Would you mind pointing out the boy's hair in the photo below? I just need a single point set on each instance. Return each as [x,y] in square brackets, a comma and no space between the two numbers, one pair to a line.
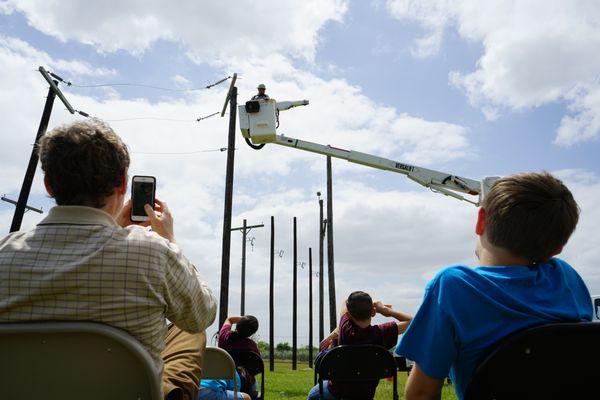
[83,162]
[531,215]
[247,326]
[359,305]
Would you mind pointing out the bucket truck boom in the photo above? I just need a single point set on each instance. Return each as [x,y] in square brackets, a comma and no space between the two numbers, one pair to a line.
[259,122]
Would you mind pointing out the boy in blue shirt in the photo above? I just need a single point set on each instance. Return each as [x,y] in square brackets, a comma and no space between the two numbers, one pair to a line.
[525,220]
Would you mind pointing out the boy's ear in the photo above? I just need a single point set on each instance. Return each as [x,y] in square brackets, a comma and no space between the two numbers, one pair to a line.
[480,225]
[123,186]
[48,188]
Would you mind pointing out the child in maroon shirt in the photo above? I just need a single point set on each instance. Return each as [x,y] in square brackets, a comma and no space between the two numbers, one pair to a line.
[354,329]
[239,339]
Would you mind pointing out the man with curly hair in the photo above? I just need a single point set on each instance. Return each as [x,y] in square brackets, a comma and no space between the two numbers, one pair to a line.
[87,261]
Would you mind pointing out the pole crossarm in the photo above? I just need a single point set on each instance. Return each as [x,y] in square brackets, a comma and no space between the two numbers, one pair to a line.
[6,199]
[240,228]
[56,90]
[229,92]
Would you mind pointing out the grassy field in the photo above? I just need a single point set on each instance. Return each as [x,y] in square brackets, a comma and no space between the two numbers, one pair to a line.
[284,383]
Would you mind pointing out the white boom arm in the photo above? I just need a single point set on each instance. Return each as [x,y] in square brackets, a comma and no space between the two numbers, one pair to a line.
[441,182]
[259,127]
[286,105]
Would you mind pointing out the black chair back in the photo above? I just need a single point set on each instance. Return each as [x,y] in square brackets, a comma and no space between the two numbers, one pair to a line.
[253,363]
[356,363]
[544,362]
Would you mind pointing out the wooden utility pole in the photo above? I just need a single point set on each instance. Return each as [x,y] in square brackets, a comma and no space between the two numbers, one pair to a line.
[295,303]
[245,229]
[310,310]
[231,99]
[322,228]
[33,161]
[271,301]
[330,268]
[243,273]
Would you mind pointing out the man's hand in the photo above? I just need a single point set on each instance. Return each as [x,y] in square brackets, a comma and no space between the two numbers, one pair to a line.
[124,216]
[383,309]
[161,219]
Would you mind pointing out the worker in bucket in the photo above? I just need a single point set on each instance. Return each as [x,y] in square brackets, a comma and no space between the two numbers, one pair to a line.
[261,93]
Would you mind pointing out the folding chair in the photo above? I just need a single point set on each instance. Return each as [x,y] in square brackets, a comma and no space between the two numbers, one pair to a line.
[357,363]
[403,364]
[218,364]
[73,361]
[544,362]
[253,363]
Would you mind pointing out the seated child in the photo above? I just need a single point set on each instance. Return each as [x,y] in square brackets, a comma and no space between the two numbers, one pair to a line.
[354,329]
[525,220]
[239,339]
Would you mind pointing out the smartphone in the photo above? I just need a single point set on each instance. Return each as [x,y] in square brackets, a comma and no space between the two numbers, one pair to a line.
[143,189]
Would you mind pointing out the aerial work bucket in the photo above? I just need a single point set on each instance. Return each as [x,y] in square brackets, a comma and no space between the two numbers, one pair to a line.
[257,120]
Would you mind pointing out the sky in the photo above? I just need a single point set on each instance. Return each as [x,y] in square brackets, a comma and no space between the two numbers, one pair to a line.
[466,87]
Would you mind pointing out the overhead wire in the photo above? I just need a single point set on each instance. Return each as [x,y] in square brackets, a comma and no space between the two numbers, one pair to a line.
[150,118]
[87,115]
[169,89]
[220,149]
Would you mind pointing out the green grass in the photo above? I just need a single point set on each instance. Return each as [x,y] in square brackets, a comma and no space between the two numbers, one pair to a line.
[284,383]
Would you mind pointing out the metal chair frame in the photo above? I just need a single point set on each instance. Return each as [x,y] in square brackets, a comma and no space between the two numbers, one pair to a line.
[253,363]
[355,363]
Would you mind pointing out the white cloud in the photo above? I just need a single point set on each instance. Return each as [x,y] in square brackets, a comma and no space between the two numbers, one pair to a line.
[433,15]
[180,80]
[582,251]
[252,28]
[584,122]
[6,8]
[535,52]
[37,57]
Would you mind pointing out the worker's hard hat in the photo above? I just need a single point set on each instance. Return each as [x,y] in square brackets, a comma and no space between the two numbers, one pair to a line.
[261,86]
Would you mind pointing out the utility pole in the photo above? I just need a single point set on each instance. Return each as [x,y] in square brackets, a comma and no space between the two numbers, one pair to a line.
[33,160]
[322,227]
[331,274]
[271,301]
[245,229]
[295,302]
[310,310]
[231,99]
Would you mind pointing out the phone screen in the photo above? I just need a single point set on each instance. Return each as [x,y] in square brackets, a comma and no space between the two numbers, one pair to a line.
[142,193]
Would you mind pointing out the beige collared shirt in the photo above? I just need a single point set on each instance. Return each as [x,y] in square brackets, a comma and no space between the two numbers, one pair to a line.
[78,264]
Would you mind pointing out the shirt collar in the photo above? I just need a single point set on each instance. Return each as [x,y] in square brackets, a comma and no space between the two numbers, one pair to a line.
[78,215]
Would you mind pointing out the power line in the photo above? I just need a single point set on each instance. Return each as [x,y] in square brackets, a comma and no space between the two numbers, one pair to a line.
[150,118]
[159,118]
[221,149]
[87,115]
[69,83]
